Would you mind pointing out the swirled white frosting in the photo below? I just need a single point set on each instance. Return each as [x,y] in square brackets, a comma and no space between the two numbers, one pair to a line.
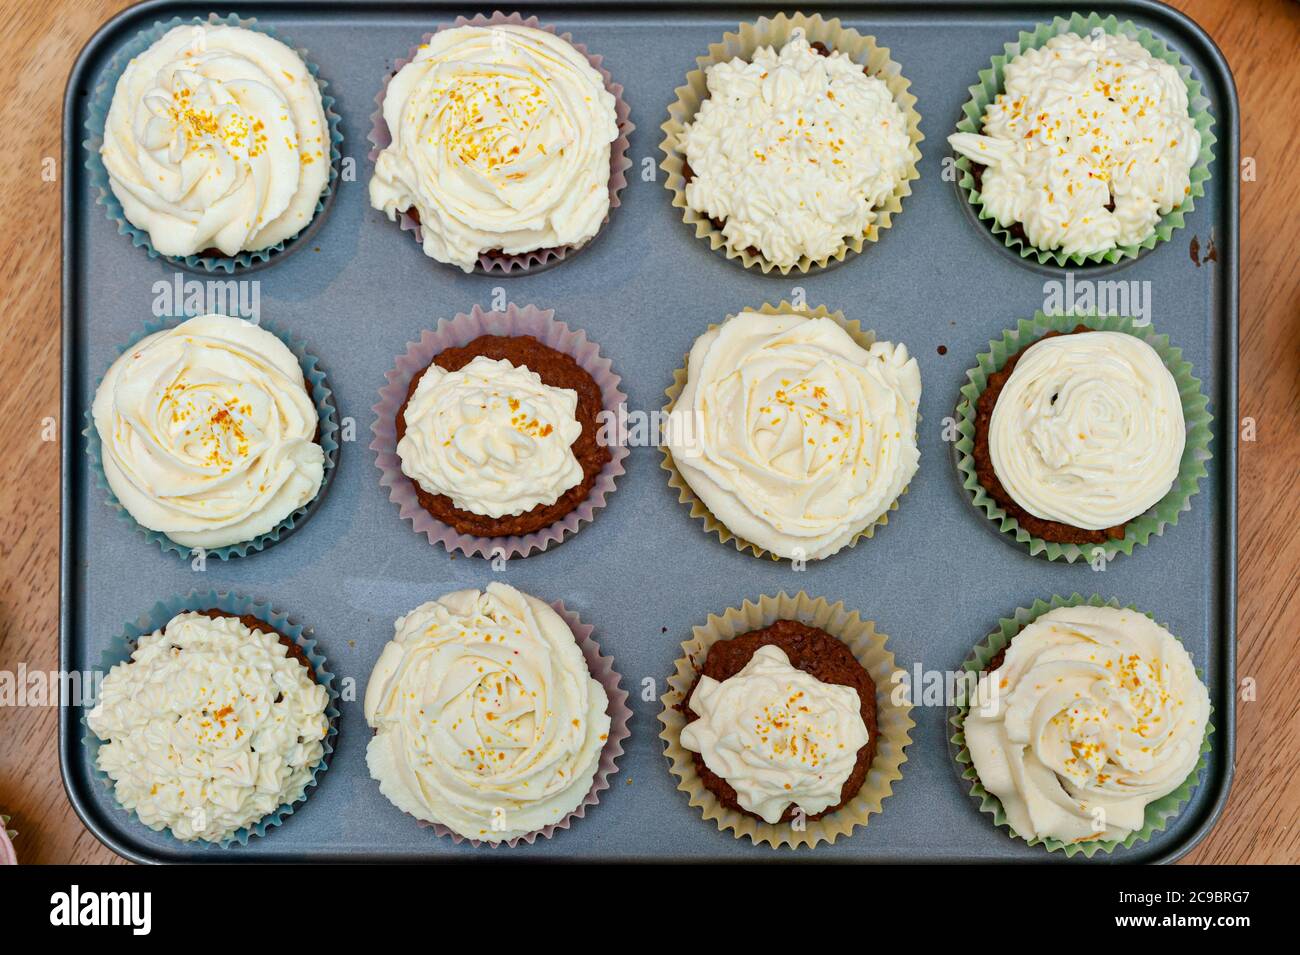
[1088,429]
[494,438]
[486,717]
[1082,122]
[1094,713]
[208,432]
[501,140]
[777,735]
[209,727]
[792,434]
[217,138]
[794,150]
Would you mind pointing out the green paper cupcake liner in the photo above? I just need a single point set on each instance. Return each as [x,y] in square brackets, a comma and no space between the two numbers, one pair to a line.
[1139,530]
[326,411]
[123,645]
[990,85]
[97,115]
[686,495]
[1158,813]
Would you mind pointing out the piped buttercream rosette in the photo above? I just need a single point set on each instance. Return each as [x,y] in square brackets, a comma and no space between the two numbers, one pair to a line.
[791,431]
[213,143]
[1055,468]
[1090,727]
[498,203]
[213,434]
[497,719]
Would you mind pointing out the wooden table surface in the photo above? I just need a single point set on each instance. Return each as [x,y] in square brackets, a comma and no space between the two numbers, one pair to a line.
[1261,40]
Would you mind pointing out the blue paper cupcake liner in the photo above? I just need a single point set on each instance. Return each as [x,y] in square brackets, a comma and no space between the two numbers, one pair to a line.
[326,411]
[97,116]
[123,645]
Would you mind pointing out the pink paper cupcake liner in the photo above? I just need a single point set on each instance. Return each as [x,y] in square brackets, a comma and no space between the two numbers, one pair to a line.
[9,857]
[458,332]
[381,137]
[603,672]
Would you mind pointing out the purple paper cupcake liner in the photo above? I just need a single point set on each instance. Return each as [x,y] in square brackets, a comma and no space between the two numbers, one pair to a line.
[456,333]
[381,137]
[602,671]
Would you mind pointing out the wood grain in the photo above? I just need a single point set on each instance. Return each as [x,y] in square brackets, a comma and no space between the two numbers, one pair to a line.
[1260,39]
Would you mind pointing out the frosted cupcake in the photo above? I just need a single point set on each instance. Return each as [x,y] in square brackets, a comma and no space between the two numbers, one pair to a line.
[208,434]
[1089,143]
[487,718]
[1087,719]
[216,142]
[1080,433]
[216,722]
[796,431]
[499,437]
[501,138]
[792,144]
[782,722]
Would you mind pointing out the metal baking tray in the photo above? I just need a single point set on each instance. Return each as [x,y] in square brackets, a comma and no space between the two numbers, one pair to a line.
[935,579]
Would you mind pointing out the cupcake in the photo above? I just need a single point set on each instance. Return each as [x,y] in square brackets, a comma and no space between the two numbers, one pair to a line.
[491,434]
[489,720]
[793,143]
[1087,145]
[793,431]
[499,437]
[217,143]
[1088,727]
[501,142]
[207,434]
[782,721]
[217,723]
[7,855]
[1082,439]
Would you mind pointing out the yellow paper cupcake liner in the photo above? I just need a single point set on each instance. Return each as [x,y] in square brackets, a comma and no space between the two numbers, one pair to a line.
[893,716]
[685,494]
[775,32]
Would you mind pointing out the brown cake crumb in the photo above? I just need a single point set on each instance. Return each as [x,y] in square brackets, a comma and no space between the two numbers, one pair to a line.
[1047,530]
[555,369]
[815,652]
[821,49]
[998,659]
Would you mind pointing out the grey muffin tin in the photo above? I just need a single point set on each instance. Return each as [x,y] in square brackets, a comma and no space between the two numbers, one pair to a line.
[935,579]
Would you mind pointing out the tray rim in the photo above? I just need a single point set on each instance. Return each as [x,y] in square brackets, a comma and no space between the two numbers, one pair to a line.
[1178,25]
